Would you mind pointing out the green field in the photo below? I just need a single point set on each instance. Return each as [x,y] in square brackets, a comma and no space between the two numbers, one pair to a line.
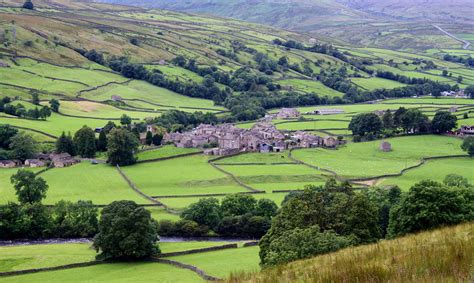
[312,125]
[89,109]
[223,263]
[376,83]
[357,160]
[114,272]
[100,183]
[165,151]
[434,170]
[182,176]
[310,86]
[163,98]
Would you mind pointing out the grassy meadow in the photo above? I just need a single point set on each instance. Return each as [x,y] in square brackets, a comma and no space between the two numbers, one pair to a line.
[361,160]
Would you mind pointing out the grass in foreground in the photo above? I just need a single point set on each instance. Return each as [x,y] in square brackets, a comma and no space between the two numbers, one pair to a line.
[443,255]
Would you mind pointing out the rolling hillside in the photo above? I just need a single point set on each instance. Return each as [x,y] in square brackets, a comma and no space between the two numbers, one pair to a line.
[389,24]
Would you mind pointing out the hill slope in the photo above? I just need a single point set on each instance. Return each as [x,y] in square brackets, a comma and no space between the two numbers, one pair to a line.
[355,21]
[443,255]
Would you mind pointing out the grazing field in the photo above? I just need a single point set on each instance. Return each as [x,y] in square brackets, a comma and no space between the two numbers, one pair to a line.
[54,125]
[39,256]
[434,170]
[140,90]
[165,151]
[312,125]
[113,272]
[182,176]
[376,83]
[223,263]
[99,183]
[360,160]
[90,109]
[443,255]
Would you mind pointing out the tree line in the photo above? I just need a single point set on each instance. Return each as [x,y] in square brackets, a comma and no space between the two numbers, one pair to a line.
[369,126]
[237,215]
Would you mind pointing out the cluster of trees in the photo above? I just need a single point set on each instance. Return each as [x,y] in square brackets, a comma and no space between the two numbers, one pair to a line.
[30,219]
[15,144]
[469,61]
[317,48]
[400,78]
[20,110]
[368,126]
[119,143]
[238,215]
[327,218]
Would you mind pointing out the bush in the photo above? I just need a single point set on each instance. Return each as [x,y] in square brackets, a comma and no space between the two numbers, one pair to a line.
[302,243]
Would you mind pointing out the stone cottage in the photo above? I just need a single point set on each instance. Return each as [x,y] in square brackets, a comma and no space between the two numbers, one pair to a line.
[288,113]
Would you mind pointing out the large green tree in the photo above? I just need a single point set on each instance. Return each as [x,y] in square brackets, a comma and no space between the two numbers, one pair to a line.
[429,205]
[443,121]
[365,123]
[102,141]
[469,91]
[238,204]
[84,139]
[121,147]
[206,212]
[7,132]
[23,146]
[75,219]
[29,188]
[126,231]
[65,144]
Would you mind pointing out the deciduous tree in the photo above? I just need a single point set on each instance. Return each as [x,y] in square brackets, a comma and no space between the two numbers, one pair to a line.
[29,188]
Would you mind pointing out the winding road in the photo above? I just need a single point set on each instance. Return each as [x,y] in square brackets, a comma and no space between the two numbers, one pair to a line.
[466,43]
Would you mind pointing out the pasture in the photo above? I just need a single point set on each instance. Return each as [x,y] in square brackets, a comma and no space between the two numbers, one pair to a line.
[181,176]
[99,183]
[163,152]
[434,170]
[362,160]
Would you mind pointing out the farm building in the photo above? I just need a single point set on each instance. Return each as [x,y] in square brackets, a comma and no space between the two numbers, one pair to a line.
[385,146]
[62,160]
[116,98]
[34,163]
[326,111]
[288,113]
[7,164]
[330,141]
[466,130]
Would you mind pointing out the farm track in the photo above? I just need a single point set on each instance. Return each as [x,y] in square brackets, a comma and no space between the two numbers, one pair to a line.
[466,43]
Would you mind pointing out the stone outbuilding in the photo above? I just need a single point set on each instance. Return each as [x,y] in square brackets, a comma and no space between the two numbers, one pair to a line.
[288,113]
[34,163]
[385,146]
[330,141]
[7,164]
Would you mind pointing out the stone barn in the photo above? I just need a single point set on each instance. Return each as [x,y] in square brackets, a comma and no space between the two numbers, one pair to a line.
[385,146]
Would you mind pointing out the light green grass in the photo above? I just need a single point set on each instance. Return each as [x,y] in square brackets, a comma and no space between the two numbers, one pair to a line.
[100,183]
[88,109]
[257,157]
[180,176]
[223,263]
[366,159]
[148,92]
[165,151]
[434,170]
[39,256]
[115,272]
[376,83]
[54,125]
[312,125]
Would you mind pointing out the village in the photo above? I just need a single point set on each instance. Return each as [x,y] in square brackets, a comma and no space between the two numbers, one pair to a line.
[264,137]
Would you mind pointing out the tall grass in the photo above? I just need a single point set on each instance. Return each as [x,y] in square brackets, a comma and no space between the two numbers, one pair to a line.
[444,255]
